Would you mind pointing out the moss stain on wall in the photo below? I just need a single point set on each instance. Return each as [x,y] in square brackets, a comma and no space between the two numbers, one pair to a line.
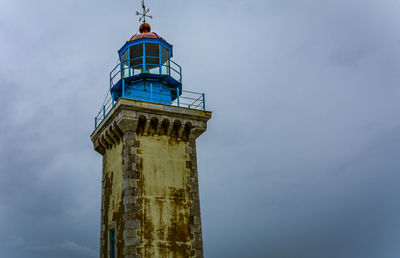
[164,201]
[113,197]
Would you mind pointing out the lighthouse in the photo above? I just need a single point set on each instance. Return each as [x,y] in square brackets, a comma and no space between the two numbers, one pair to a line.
[146,132]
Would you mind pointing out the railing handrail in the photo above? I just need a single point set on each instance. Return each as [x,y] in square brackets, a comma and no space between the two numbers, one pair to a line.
[170,65]
[171,68]
[197,102]
[138,58]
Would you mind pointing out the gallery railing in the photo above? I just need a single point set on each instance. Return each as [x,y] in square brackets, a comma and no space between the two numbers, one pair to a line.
[149,65]
[186,99]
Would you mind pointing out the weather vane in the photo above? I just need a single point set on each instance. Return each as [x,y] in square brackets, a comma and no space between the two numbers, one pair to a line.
[144,14]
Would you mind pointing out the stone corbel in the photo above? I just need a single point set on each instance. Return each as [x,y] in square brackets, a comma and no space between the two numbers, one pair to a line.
[127,121]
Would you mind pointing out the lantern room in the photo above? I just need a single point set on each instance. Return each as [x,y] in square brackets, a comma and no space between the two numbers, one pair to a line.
[146,71]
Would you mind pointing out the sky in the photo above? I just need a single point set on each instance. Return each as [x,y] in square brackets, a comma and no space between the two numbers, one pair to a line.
[300,160]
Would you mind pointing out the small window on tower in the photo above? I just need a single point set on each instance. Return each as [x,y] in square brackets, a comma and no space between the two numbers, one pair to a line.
[112,243]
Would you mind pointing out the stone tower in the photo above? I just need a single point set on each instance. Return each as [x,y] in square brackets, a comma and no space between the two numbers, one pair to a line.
[146,132]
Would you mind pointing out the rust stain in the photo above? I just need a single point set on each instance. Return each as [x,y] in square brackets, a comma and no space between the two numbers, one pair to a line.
[118,217]
[113,208]
[107,188]
[164,201]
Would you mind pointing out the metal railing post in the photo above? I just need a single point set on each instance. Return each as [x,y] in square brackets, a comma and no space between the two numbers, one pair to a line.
[123,88]
[129,62]
[144,57]
[111,80]
[180,74]
[104,111]
[95,122]
[204,102]
[177,95]
[159,57]
[121,70]
[151,92]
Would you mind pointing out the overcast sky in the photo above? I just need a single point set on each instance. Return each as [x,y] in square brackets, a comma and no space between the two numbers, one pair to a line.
[300,160]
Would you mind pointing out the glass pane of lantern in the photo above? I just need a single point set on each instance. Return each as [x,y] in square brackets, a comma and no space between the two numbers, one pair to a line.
[125,64]
[136,59]
[151,61]
[164,52]
[136,54]
[152,58]
[124,56]
[152,50]
[136,51]
[152,65]
[164,60]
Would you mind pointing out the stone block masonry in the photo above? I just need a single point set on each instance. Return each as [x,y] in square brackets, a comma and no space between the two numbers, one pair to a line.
[150,193]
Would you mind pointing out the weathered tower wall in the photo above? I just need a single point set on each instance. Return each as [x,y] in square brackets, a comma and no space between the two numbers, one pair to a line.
[150,191]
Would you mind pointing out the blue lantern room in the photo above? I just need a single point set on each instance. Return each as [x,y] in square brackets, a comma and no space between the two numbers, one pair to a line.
[146,71]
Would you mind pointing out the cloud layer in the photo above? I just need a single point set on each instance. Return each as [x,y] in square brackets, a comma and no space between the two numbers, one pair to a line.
[300,159]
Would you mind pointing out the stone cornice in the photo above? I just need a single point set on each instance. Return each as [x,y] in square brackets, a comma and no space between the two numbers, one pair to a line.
[129,115]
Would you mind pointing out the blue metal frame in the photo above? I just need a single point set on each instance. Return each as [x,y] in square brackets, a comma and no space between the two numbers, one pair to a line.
[187,99]
[177,69]
[127,47]
[146,40]
[162,83]
[143,56]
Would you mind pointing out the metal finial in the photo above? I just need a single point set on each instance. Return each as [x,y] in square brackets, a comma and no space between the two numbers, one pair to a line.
[144,14]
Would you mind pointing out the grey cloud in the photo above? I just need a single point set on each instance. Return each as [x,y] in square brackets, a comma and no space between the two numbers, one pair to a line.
[300,158]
